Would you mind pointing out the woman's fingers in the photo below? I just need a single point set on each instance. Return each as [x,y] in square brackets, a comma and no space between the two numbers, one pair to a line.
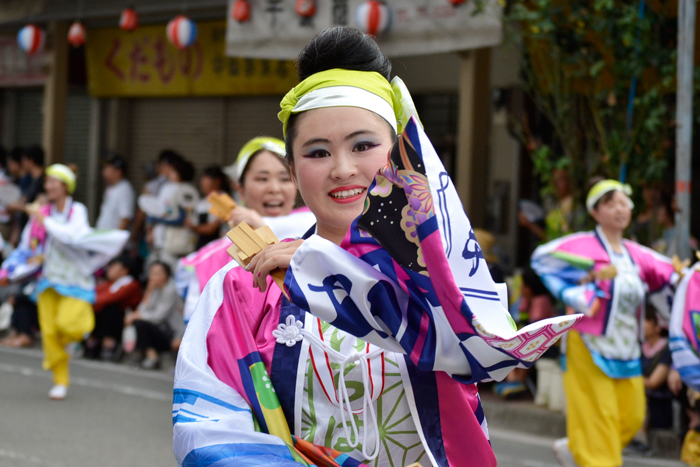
[249,216]
[273,257]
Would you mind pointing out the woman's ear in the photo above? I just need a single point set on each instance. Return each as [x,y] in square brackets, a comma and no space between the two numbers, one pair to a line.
[293,174]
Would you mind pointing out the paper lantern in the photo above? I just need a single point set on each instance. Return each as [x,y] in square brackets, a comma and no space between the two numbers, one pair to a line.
[129,20]
[373,18]
[181,32]
[76,34]
[240,11]
[456,2]
[31,39]
[305,8]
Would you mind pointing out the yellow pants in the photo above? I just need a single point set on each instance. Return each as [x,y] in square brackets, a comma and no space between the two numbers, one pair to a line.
[603,414]
[62,320]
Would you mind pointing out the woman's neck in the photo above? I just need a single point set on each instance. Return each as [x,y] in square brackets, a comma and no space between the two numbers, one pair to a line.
[60,204]
[652,340]
[614,238]
[335,236]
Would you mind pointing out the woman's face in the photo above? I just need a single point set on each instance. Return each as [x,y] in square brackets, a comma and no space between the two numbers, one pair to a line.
[337,152]
[55,189]
[614,214]
[171,173]
[207,185]
[157,276]
[267,186]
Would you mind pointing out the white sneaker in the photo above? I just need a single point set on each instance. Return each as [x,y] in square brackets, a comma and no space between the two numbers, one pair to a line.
[58,392]
[562,453]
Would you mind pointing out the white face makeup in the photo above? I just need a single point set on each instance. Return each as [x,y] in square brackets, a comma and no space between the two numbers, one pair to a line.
[337,152]
[268,188]
[614,214]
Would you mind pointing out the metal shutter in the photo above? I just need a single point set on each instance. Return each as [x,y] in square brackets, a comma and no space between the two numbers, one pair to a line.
[29,117]
[248,117]
[77,140]
[192,126]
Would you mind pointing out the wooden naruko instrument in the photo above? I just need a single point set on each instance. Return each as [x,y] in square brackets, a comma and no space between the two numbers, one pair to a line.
[221,205]
[248,242]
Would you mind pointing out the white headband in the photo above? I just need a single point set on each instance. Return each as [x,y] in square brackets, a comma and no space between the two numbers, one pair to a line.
[347,96]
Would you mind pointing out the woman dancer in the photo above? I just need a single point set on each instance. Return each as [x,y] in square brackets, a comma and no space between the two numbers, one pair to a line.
[59,235]
[605,277]
[264,368]
[268,195]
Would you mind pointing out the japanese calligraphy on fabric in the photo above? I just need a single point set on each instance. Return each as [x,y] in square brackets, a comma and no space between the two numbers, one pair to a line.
[393,283]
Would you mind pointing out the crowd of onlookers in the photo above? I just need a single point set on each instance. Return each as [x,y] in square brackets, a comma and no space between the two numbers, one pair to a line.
[138,310]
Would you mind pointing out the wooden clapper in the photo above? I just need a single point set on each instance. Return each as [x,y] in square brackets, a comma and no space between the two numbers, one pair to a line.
[246,241]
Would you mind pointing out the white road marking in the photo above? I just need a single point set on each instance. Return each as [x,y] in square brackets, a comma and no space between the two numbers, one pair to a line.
[91,383]
[18,456]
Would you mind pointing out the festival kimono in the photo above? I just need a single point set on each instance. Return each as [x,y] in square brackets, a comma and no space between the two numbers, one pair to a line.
[409,279]
[195,270]
[85,248]
[562,265]
[684,331]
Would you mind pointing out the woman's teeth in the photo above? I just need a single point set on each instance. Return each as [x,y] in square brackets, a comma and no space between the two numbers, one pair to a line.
[347,194]
[275,204]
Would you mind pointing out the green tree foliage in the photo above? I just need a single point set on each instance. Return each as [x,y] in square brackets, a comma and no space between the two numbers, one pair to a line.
[579,60]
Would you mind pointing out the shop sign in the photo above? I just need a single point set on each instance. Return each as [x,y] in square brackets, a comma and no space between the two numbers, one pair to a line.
[17,69]
[417,27]
[143,63]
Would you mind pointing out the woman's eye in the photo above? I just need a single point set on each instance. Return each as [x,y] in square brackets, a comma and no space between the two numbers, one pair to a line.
[261,179]
[319,153]
[364,146]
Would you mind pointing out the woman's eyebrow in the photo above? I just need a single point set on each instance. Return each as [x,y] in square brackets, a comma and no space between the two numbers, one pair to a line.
[357,133]
[315,141]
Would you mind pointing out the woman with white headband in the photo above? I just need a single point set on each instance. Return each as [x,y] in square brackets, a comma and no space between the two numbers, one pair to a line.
[261,380]
[605,277]
[58,238]
[267,194]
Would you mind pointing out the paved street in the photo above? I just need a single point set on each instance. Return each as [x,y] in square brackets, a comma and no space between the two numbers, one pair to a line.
[118,416]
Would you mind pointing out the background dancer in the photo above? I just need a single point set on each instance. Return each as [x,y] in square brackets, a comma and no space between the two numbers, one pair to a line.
[603,276]
[66,287]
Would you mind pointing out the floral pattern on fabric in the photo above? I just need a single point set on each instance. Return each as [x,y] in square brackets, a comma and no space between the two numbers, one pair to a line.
[321,424]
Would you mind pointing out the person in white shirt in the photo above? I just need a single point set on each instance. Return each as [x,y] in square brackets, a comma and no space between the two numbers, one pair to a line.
[118,203]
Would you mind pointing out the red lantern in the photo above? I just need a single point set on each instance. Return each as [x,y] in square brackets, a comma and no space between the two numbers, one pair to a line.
[305,8]
[129,20]
[456,2]
[241,11]
[76,34]
[373,17]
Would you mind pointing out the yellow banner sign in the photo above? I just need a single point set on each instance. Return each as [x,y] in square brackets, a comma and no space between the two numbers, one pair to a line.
[143,63]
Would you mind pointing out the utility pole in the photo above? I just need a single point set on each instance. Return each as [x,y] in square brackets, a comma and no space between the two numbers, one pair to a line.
[684,122]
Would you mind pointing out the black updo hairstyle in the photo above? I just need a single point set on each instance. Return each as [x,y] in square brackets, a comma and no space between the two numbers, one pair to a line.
[340,47]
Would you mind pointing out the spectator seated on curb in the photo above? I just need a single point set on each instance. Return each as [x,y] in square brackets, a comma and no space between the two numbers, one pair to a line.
[113,298]
[157,322]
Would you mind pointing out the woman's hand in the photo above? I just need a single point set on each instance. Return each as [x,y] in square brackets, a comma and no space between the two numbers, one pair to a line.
[675,383]
[131,317]
[39,218]
[249,216]
[274,256]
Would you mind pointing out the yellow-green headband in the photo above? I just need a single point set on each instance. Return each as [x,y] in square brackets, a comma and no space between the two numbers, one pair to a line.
[606,186]
[64,174]
[348,88]
[274,145]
